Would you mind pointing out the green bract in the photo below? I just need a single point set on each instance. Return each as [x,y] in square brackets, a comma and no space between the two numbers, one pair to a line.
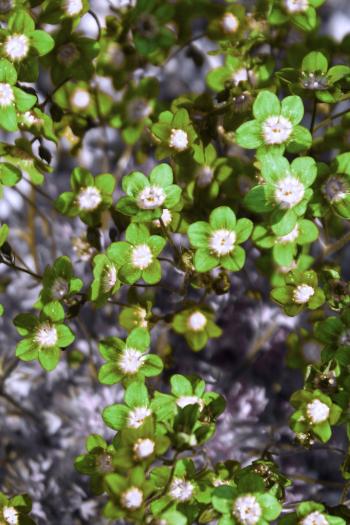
[59,282]
[300,291]
[315,412]
[137,255]
[147,197]
[89,196]
[197,326]
[275,126]
[217,242]
[43,337]
[129,360]
[174,132]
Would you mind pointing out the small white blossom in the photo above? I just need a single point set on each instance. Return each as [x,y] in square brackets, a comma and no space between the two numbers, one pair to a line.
[109,278]
[241,75]
[315,518]
[181,490]
[229,23]
[196,321]
[335,189]
[131,361]
[150,197]
[80,98]
[296,6]
[166,218]
[317,411]
[137,416]
[178,139]
[204,176]
[303,293]
[10,515]
[16,47]
[184,401]
[30,119]
[59,288]
[289,237]
[247,510]
[67,54]
[46,335]
[141,256]
[73,7]
[132,498]
[6,95]
[89,198]
[144,448]
[222,241]
[276,129]
[289,192]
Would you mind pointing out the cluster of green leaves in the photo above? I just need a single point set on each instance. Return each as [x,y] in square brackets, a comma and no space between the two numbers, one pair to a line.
[255,162]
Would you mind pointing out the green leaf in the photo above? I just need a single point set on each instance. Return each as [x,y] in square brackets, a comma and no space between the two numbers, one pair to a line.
[24,101]
[162,175]
[235,260]
[244,228]
[49,357]
[204,261]
[8,118]
[4,231]
[115,416]
[222,217]
[314,62]
[293,109]
[109,374]
[265,105]
[42,42]
[8,73]
[249,136]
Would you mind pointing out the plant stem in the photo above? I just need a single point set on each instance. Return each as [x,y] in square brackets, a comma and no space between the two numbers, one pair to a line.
[329,119]
[15,267]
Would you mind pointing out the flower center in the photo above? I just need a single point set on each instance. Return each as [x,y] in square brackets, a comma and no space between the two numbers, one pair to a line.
[335,189]
[296,6]
[314,81]
[222,241]
[131,361]
[80,98]
[46,335]
[276,129]
[141,256]
[59,288]
[317,411]
[137,416]
[184,401]
[132,498]
[302,293]
[73,7]
[315,518]
[138,109]
[68,54]
[10,515]
[109,278]
[6,95]
[151,197]
[289,192]
[181,490]
[89,198]
[178,139]
[143,448]
[229,23]
[196,321]
[290,237]
[247,510]
[17,46]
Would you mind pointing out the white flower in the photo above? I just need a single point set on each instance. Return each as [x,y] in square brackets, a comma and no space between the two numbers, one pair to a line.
[290,237]
[6,95]
[132,498]
[289,192]
[241,75]
[80,98]
[315,518]
[59,288]
[141,256]
[296,6]
[150,197]
[222,241]
[204,176]
[46,335]
[67,54]
[10,515]
[131,361]
[247,510]
[276,129]
[181,490]
[16,46]
[109,278]
[89,198]
[184,401]
[143,448]
[73,7]
[137,416]
[178,139]
[229,23]
[335,189]
[30,119]
[302,293]
[317,411]
[196,321]
[166,218]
